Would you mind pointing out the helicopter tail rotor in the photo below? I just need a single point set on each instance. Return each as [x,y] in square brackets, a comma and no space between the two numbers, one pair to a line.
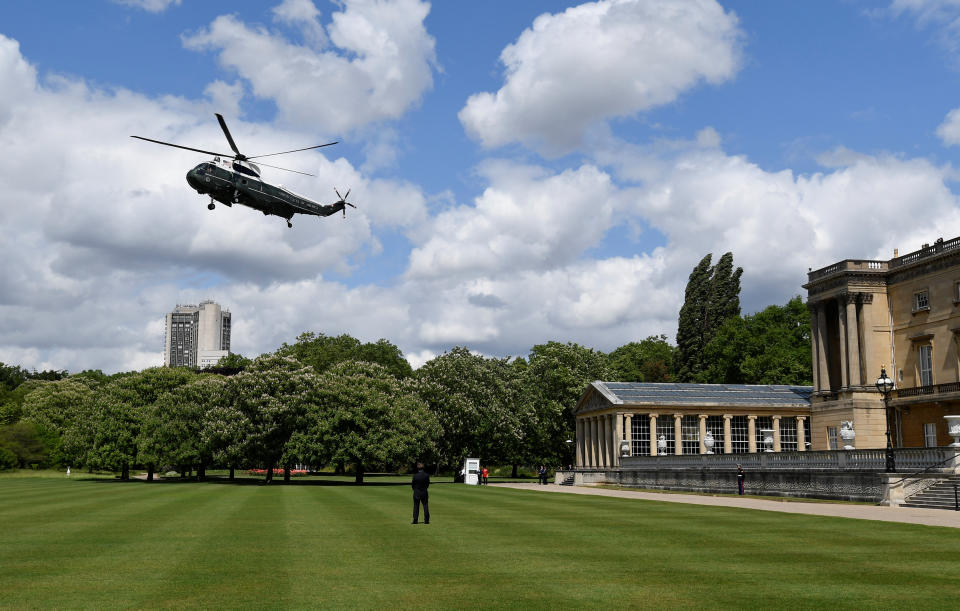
[343,201]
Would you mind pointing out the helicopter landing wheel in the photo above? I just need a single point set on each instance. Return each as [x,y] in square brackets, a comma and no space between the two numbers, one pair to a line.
[210,206]
[289,224]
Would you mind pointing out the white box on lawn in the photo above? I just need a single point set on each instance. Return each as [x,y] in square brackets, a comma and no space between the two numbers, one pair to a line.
[471,471]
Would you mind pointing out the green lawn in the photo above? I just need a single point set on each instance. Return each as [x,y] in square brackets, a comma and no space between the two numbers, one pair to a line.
[323,543]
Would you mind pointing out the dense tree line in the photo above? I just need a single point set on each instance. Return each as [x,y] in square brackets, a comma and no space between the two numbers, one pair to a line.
[340,403]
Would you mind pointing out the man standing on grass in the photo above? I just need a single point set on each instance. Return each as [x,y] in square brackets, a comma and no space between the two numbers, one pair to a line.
[420,483]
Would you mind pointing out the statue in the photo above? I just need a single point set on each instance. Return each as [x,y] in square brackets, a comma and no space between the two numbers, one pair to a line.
[661,444]
[847,434]
[708,442]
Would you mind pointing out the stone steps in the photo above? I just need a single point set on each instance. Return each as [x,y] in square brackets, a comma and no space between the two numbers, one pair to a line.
[568,480]
[938,496]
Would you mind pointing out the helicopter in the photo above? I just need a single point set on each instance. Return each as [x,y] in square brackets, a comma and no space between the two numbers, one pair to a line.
[234,179]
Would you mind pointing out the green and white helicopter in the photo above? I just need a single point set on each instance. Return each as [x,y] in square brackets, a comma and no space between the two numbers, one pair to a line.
[233,179]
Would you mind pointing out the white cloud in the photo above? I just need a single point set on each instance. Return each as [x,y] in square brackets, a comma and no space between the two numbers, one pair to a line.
[380,67]
[151,6]
[949,130]
[106,236]
[571,71]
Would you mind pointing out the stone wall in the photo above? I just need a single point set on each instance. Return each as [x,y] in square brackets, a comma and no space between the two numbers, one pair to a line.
[848,485]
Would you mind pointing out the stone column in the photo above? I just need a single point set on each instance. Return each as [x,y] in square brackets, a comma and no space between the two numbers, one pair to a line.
[578,455]
[842,327]
[628,431]
[703,433]
[823,382]
[602,425]
[678,434]
[853,341]
[617,437]
[776,433]
[866,305]
[653,434]
[593,441]
[727,434]
[801,446]
[815,343]
[752,434]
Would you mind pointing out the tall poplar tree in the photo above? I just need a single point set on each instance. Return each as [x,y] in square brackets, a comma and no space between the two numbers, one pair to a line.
[711,297]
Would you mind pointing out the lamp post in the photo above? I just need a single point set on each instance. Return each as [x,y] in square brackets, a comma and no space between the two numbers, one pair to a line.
[885,385]
[571,451]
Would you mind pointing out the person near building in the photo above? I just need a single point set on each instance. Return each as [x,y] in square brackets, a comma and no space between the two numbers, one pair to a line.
[485,473]
[740,479]
[420,483]
[542,474]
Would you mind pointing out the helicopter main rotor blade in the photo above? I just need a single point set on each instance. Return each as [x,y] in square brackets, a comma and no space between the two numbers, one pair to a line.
[186,148]
[293,151]
[226,132]
[276,167]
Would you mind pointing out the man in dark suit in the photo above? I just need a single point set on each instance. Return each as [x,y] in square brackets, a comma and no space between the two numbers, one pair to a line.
[421,481]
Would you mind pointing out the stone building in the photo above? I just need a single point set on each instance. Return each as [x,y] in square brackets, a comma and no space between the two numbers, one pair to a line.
[617,419]
[902,314]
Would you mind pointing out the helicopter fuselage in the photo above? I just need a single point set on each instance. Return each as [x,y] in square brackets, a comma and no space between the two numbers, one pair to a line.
[230,181]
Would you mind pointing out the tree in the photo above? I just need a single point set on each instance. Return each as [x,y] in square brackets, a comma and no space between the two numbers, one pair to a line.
[769,347]
[322,352]
[555,377]
[172,431]
[259,411]
[24,441]
[712,295]
[650,360]
[106,435]
[363,415]
[54,406]
[478,402]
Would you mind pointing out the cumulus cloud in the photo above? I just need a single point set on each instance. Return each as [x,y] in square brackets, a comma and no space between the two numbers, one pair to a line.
[949,130]
[107,236]
[379,67]
[571,71]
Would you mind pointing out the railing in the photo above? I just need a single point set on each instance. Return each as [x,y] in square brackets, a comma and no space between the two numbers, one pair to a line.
[907,459]
[938,247]
[936,389]
[847,265]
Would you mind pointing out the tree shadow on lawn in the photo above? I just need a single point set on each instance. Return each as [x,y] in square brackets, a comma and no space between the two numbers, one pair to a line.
[277,481]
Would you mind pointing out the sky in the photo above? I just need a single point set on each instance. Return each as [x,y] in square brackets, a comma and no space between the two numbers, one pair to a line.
[523,172]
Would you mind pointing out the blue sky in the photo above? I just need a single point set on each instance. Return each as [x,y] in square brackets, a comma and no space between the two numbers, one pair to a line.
[524,171]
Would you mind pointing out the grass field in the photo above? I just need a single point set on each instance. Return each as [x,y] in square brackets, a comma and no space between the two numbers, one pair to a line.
[324,543]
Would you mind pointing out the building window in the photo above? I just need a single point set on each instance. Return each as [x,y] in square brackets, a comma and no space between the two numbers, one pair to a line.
[956,292]
[832,438]
[640,426]
[715,428]
[763,423]
[739,438]
[921,300]
[788,434]
[665,430]
[930,434]
[690,428]
[925,365]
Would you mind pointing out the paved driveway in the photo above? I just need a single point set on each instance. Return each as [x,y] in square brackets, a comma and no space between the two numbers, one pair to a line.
[930,517]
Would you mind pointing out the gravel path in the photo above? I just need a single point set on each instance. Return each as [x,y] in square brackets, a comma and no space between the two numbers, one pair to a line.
[930,517]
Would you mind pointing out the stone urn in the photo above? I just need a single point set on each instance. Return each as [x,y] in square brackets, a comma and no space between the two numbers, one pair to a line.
[708,442]
[953,429]
[847,434]
[767,436]
[661,444]
[624,448]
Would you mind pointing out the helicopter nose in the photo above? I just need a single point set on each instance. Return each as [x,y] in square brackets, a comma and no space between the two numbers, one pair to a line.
[193,180]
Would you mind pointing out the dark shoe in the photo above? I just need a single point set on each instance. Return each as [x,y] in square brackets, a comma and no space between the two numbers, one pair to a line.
[413,522]
[426,522]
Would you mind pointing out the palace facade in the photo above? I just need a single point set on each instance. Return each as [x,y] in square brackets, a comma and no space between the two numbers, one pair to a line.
[900,315]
